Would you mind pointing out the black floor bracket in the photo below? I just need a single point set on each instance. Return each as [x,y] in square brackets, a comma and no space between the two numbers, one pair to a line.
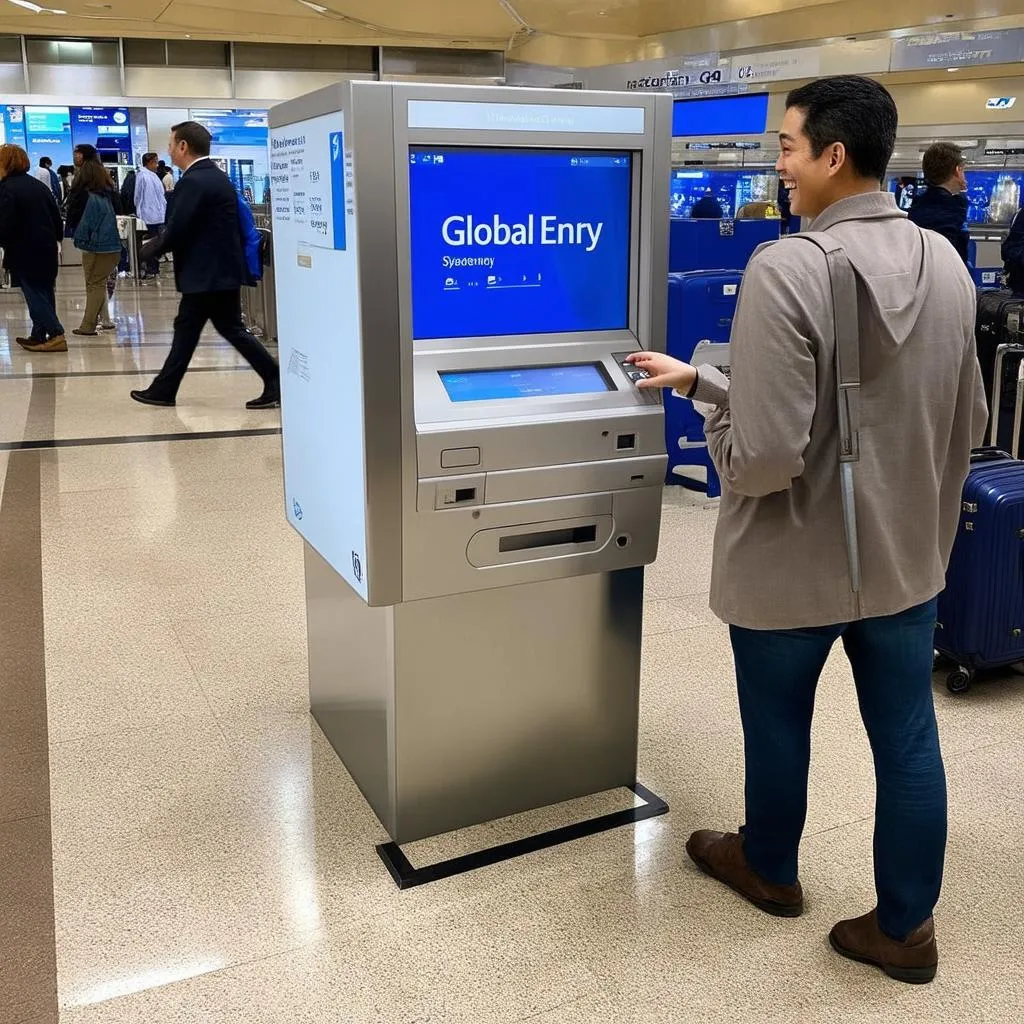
[406,876]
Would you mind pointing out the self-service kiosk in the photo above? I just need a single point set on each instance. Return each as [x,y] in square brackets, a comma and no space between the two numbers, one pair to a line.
[461,274]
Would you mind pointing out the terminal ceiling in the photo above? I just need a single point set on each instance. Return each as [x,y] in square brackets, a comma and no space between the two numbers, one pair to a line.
[568,32]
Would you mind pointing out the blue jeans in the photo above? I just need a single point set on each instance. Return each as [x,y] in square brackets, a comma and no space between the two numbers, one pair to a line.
[42,307]
[777,673]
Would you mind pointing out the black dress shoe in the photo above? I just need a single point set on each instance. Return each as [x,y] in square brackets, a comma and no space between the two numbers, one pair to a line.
[268,400]
[147,399]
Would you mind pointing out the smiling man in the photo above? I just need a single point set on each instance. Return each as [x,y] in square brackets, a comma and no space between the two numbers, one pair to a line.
[784,574]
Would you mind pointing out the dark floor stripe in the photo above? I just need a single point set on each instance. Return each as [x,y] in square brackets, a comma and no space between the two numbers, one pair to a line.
[118,373]
[88,442]
[28,963]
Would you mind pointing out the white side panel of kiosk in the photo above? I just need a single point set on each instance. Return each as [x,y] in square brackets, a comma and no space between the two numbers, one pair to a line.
[315,243]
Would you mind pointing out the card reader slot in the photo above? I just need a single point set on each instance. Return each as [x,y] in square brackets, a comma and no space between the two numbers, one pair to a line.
[548,538]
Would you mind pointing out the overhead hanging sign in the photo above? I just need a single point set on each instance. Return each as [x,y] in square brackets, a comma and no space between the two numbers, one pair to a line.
[777,66]
[666,75]
[957,49]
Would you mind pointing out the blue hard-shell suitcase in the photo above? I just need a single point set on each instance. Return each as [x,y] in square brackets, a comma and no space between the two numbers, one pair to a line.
[981,611]
[701,307]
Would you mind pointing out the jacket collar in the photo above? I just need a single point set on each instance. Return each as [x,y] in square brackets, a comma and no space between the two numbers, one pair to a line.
[867,206]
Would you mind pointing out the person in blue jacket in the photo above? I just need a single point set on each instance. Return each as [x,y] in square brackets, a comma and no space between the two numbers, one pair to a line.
[942,206]
[1013,255]
[706,208]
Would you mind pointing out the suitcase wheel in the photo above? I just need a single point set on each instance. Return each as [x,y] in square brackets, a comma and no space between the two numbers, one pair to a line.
[959,680]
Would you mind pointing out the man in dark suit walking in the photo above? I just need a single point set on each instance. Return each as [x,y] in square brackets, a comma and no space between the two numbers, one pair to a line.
[204,233]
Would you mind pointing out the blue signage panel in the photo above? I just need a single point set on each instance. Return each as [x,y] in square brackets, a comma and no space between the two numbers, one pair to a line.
[106,128]
[728,115]
[519,241]
[337,144]
[48,133]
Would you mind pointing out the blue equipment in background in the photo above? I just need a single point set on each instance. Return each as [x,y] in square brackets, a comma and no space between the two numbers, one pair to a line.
[701,307]
[700,244]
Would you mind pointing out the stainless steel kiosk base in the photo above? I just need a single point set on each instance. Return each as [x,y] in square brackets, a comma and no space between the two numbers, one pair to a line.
[457,710]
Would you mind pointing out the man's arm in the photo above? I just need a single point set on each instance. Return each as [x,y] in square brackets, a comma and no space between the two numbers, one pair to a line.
[758,425]
[182,220]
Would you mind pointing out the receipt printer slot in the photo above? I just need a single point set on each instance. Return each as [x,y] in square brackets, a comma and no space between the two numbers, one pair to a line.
[548,538]
[528,542]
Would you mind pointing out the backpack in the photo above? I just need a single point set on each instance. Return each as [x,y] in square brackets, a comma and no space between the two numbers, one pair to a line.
[97,230]
[252,241]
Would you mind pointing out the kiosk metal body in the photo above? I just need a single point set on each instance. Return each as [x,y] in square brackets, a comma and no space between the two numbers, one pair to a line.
[476,476]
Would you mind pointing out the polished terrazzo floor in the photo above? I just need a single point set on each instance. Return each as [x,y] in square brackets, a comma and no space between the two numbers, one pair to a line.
[211,859]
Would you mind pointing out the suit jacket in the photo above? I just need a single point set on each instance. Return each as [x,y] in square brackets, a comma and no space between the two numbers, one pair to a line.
[1013,254]
[202,231]
[30,229]
[944,213]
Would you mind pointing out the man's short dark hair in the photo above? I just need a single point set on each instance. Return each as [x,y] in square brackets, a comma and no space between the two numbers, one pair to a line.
[195,136]
[88,152]
[148,158]
[45,161]
[941,161]
[855,111]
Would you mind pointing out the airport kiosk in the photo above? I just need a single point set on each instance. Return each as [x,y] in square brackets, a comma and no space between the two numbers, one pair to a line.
[461,273]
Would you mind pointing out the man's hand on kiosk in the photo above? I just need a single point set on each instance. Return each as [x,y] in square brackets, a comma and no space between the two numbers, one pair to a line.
[664,372]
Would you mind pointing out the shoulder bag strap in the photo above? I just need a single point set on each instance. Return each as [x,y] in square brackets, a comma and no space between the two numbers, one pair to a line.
[846,331]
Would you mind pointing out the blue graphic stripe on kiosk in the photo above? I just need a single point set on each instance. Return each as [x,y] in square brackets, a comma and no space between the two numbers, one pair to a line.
[526,382]
[486,223]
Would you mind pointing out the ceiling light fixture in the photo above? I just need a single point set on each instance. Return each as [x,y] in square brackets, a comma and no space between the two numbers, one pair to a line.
[35,8]
[951,70]
[319,8]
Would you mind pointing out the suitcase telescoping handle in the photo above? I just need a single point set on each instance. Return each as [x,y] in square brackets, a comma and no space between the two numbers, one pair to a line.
[997,383]
[988,454]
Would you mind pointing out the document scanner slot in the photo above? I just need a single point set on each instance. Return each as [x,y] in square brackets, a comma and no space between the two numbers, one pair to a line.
[549,538]
[560,538]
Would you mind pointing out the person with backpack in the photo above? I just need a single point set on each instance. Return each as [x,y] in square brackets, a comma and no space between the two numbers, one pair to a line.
[204,230]
[843,439]
[92,219]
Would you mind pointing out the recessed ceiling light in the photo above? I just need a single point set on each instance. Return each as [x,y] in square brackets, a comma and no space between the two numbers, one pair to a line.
[951,70]
[319,8]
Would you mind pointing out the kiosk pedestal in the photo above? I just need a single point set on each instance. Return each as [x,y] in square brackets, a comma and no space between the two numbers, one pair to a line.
[457,710]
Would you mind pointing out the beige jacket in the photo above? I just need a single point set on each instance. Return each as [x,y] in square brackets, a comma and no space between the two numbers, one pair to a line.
[780,557]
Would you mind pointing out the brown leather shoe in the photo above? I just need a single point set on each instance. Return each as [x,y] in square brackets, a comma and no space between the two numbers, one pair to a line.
[914,960]
[55,344]
[720,855]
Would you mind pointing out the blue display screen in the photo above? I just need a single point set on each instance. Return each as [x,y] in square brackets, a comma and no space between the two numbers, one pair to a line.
[526,382]
[519,241]
[48,133]
[994,197]
[106,128]
[723,115]
[12,125]
[732,189]
[234,127]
